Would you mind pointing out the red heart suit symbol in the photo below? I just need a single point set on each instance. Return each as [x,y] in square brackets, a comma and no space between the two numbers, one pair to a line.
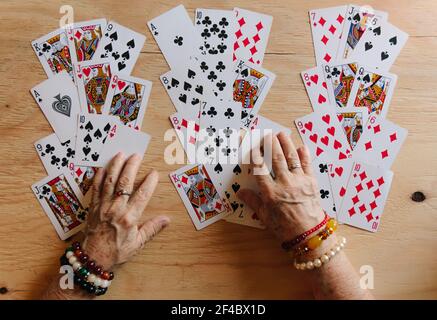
[314,78]
[86,71]
[313,137]
[325,140]
[121,84]
[308,125]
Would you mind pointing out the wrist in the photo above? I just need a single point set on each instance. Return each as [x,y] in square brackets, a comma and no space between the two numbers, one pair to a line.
[101,255]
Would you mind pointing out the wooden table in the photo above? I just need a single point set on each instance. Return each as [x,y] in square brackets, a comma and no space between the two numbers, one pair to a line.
[224,260]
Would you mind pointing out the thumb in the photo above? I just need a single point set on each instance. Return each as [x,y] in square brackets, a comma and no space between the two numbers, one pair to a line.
[250,198]
[150,228]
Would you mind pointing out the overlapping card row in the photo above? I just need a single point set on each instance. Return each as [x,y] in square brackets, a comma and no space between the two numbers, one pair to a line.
[94,107]
[352,144]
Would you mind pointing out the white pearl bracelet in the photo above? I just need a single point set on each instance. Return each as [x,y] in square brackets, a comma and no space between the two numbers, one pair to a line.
[318,262]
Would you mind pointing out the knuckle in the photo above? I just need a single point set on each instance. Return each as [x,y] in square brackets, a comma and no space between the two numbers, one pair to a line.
[124,182]
[143,193]
[125,221]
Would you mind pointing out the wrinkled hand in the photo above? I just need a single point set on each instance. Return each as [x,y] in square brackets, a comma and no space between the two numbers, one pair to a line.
[115,232]
[288,204]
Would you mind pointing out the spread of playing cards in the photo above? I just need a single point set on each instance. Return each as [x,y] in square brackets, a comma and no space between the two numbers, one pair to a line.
[95,108]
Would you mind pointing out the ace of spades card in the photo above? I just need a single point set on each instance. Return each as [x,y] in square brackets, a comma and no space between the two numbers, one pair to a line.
[92,79]
[373,90]
[214,57]
[56,156]
[252,35]
[380,45]
[63,202]
[358,19]
[92,131]
[366,195]
[58,99]
[251,86]
[199,195]
[353,120]
[127,98]
[122,45]
[339,79]
[316,87]
[84,39]
[53,53]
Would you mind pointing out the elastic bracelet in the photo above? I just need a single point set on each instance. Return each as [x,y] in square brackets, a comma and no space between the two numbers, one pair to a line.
[90,276]
[317,240]
[324,259]
[288,245]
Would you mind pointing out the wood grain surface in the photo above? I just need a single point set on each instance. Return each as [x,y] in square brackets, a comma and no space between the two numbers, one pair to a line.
[224,260]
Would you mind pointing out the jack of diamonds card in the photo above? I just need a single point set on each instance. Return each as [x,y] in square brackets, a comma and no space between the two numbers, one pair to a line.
[199,195]
[366,195]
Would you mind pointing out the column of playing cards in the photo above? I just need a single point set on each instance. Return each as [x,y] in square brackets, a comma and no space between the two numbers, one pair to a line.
[352,144]
[95,108]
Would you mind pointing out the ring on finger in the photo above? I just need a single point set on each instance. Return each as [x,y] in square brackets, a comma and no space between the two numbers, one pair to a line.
[294,165]
[122,192]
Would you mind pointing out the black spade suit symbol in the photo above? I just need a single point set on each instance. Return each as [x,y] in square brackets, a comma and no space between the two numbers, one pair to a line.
[121,65]
[191,74]
[234,206]
[366,78]
[235,187]
[89,126]
[218,168]
[174,83]
[245,72]
[131,44]
[114,36]
[377,31]
[87,139]
[199,89]
[95,156]
[187,86]
[86,150]
[183,98]
[107,127]
[98,134]
[126,55]
[62,105]
[237,170]
[108,47]
[384,55]
[357,17]
[393,41]
[368,46]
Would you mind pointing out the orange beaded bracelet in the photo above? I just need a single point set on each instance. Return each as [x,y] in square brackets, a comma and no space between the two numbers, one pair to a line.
[315,242]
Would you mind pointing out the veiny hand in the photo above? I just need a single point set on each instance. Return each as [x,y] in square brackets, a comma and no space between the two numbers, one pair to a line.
[288,204]
[114,232]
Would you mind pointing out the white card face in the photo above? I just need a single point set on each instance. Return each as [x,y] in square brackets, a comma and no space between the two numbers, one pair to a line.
[365,198]
[199,195]
[218,137]
[252,35]
[93,78]
[122,46]
[92,132]
[339,173]
[127,99]
[56,156]
[325,194]
[316,87]
[84,39]
[58,99]
[63,203]
[53,53]
[339,80]
[373,90]
[353,121]
[175,35]
[357,21]
[126,140]
[380,45]
[217,30]
[251,86]
[380,143]
[186,131]
[326,28]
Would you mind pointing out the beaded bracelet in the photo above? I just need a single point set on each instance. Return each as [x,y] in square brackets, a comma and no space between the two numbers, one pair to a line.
[288,245]
[324,259]
[317,240]
[87,274]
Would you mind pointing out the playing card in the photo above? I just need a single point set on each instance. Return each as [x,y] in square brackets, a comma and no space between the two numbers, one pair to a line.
[251,86]
[218,137]
[63,203]
[175,35]
[380,143]
[252,35]
[58,99]
[357,21]
[93,78]
[84,38]
[316,87]
[323,135]
[53,53]
[214,56]
[199,195]
[352,121]
[127,98]
[365,198]
[92,131]
[339,79]
[56,156]
[373,90]
[126,140]
[325,194]
[380,45]
[339,173]
[83,176]
[326,28]
[122,45]
[186,131]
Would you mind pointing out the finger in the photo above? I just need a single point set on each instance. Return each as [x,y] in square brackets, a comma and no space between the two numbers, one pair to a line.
[290,153]
[259,169]
[142,196]
[127,176]
[251,199]
[305,160]
[279,164]
[112,173]
[149,229]
[97,186]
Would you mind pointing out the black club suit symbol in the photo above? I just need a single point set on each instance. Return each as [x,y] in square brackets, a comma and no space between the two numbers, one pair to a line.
[223,22]
[46,47]
[210,130]
[214,29]
[323,168]
[212,76]
[221,85]
[222,48]
[179,40]
[212,112]
[207,21]
[335,72]
[49,148]
[229,113]
[220,66]
[324,194]
[218,141]
[204,66]
[205,34]
[222,35]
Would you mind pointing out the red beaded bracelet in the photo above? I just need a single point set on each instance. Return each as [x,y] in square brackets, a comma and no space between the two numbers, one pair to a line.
[288,245]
